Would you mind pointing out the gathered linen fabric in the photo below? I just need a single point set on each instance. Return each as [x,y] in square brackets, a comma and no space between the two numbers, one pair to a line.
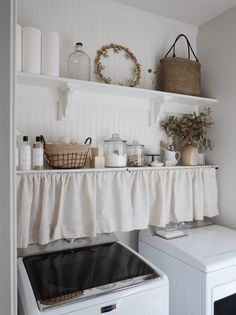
[54,205]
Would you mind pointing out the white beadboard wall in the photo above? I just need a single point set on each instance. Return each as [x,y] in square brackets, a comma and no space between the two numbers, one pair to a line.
[92,115]
[96,23]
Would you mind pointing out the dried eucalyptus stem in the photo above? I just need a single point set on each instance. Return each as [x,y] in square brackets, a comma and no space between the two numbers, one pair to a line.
[190,128]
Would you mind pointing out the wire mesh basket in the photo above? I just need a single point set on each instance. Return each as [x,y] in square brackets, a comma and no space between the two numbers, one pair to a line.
[67,156]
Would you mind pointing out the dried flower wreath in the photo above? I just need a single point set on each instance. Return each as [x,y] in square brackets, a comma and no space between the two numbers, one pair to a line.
[103,53]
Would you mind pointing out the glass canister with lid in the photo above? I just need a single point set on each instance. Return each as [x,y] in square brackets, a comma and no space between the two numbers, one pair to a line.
[135,152]
[115,151]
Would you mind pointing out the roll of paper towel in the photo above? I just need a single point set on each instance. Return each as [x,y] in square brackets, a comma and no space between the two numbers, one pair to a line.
[31,50]
[50,53]
[18,48]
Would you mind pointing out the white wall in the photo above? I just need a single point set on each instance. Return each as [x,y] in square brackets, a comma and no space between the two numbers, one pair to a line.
[147,35]
[7,210]
[97,23]
[217,53]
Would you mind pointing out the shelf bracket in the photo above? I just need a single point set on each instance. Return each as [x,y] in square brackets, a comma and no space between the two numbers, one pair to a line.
[66,93]
[156,108]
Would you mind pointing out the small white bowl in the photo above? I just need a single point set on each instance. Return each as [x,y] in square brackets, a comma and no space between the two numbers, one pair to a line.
[156,164]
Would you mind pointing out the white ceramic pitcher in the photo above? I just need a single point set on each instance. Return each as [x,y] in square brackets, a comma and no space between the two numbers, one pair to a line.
[172,156]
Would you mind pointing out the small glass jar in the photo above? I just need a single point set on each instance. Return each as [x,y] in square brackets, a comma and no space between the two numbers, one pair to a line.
[135,152]
[115,152]
[79,64]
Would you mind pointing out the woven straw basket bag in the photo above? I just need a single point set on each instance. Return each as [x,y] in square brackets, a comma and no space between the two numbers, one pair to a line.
[180,75]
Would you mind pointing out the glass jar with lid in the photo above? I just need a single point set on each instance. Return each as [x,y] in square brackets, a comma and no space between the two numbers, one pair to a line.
[135,152]
[115,151]
[79,64]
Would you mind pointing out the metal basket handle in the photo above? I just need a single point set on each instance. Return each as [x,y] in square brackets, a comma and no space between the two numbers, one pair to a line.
[42,140]
[88,141]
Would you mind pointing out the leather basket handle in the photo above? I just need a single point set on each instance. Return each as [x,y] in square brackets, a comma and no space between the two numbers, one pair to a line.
[190,49]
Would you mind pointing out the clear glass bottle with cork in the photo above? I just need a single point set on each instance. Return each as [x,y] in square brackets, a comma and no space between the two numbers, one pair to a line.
[79,64]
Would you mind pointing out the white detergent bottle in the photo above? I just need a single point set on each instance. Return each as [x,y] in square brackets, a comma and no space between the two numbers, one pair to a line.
[25,155]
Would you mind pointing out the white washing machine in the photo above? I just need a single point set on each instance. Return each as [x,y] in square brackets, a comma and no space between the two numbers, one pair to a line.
[89,277]
[201,268]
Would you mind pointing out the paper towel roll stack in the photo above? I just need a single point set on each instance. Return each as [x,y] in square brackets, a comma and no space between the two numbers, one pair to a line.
[31,50]
[50,53]
[18,48]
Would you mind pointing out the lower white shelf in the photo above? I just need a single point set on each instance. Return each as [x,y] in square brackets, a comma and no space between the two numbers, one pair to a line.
[111,169]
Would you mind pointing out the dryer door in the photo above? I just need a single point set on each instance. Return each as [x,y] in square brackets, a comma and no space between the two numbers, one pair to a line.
[225,306]
[224,297]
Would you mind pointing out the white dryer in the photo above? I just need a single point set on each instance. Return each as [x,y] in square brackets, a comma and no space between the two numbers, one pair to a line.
[201,268]
[89,277]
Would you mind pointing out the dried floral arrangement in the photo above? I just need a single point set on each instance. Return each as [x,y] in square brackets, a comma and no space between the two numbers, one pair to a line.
[103,53]
[190,128]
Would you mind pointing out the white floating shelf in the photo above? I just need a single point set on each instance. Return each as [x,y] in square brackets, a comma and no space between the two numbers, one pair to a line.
[110,89]
[67,87]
